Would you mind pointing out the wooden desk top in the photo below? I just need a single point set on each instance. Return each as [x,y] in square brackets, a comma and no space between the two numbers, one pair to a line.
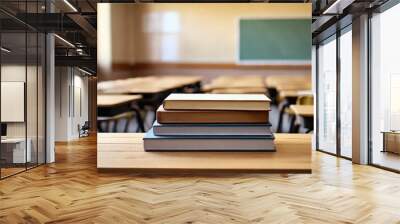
[125,151]
[289,82]
[147,85]
[240,90]
[236,82]
[104,100]
[303,110]
[295,93]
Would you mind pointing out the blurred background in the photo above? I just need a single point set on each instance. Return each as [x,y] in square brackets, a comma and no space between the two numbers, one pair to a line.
[147,51]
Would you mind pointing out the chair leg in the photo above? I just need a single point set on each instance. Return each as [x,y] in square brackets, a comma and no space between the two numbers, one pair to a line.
[128,121]
[139,120]
[292,124]
[107,128]
[280,119]
[115,122]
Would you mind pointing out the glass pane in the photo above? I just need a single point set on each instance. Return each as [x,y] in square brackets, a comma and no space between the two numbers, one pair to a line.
[385,86]
[14,153]
[346,94]
[327,96]
[32,97]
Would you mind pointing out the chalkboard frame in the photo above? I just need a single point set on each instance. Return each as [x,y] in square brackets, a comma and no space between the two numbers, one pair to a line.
[263,61]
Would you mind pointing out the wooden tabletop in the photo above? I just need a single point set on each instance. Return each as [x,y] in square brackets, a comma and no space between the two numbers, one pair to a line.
[240,90]
[104,100]
[237,84]
[288,82]
[125,151]
[147,85]
[303,110]
[295,93]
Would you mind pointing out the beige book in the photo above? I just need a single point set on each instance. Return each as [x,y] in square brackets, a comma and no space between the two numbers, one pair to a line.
[240,102]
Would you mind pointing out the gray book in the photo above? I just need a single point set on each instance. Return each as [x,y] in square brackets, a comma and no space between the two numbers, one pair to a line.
[212,129]
[207,143]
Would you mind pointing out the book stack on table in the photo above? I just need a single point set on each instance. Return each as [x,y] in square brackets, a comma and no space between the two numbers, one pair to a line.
[212,122]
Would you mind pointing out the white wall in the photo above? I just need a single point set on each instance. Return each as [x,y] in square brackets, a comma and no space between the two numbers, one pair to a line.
[17,73]
[71,102]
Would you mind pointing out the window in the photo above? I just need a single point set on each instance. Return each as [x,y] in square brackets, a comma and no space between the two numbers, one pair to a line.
[327,96]
[385,89]
[334,106]
[346,93]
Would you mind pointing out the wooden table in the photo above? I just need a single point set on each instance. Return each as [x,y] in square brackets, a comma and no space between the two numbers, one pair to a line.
[391,141]
[277,83]
[285,89]
[105,100]
[240,90]
[294,93]
[288,82]
[304,113]
[148,85]
[236,84]
[302,110]
[154,89]
[125,151]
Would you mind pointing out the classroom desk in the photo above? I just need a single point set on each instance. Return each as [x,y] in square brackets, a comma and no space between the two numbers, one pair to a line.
[240,90]
[106,101]
[112,105]
[149,85]
[287,98]
[278,83]
[294,93]
[304,112]
[125,151]
[154,89]
[288,82]
[236,84]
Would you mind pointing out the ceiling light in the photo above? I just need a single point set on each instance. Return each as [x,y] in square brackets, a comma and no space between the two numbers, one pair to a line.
[84,71]
[337,7]
[64,40]
[5,50]
[71,6]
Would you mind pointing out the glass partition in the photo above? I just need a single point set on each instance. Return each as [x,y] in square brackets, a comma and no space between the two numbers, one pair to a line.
[346,93]
[385,89]
[327,96]
[22,78]
[14,153]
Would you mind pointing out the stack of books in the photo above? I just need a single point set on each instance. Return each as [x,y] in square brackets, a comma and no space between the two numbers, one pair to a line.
[212,122]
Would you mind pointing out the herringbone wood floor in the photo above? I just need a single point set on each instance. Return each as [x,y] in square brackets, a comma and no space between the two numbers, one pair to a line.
[72,191]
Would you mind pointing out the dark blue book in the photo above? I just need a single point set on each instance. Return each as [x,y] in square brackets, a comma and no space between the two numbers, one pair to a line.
[212,129]
[208,143]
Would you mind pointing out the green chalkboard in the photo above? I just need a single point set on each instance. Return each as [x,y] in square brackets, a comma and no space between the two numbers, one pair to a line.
[275,40]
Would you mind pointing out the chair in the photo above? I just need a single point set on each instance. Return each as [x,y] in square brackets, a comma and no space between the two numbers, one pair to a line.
[305,100]
[84,129]
[308,124]
[115,120]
